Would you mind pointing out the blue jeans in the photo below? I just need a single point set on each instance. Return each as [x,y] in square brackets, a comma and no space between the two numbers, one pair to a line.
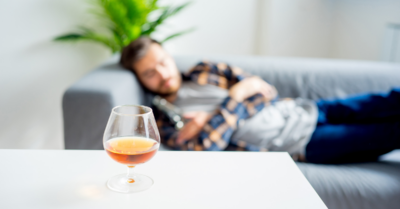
[356,129]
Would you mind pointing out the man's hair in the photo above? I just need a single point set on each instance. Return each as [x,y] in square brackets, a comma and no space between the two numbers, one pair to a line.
[135,51]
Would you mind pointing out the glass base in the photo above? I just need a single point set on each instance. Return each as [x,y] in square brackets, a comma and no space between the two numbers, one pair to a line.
[121,183]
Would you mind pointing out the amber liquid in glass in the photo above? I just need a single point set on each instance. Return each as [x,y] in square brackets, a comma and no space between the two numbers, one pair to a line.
[131,150]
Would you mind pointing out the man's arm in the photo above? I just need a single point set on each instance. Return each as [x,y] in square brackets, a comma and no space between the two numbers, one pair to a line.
[247,97]
[219,74]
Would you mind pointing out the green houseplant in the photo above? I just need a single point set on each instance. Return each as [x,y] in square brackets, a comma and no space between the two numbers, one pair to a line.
[122,21]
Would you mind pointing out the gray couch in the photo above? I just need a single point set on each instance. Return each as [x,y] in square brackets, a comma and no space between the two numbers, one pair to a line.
[87,105]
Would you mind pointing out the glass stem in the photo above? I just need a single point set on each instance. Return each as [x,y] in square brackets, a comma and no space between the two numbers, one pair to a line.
[130,175]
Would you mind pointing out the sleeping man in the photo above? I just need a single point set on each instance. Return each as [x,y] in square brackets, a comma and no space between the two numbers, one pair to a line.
[227,109]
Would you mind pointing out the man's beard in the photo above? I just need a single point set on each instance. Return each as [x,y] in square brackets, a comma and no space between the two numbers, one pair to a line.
[162,94]
[166,94]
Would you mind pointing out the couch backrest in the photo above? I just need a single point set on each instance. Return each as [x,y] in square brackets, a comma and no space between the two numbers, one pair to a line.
[311,78]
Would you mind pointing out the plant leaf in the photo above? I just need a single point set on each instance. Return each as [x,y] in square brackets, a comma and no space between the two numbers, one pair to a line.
[87,34]
[136,11]
[117,13]
[68,37]
[178,9]
[122,21]
[177,34]
[166,12]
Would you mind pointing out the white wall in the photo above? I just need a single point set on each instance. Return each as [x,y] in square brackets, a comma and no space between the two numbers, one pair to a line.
[342,29]
[221,27]
[34,70]
[297,28]
[360,26]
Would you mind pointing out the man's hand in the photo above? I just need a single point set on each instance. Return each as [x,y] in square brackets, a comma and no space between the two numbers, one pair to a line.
[251,86]
[194,126]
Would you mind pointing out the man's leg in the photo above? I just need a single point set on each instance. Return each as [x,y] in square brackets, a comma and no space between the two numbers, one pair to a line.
[346,143]
[364,108]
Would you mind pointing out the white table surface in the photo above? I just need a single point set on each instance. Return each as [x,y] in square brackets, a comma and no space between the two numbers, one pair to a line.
[77,179]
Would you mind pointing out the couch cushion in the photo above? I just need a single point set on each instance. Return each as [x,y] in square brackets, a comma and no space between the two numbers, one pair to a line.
[364,185]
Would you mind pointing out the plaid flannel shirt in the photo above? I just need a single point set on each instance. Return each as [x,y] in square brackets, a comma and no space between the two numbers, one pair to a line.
[216,134]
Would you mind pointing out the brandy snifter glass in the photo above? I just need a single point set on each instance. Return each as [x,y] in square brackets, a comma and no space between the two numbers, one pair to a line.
[131,138]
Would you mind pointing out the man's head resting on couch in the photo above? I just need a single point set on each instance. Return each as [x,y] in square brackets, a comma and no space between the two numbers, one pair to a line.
[153,66]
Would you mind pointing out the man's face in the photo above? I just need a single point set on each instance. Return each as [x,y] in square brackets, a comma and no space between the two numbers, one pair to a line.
[157,71]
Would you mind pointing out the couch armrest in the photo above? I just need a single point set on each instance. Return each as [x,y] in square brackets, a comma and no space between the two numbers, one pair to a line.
[87,104]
